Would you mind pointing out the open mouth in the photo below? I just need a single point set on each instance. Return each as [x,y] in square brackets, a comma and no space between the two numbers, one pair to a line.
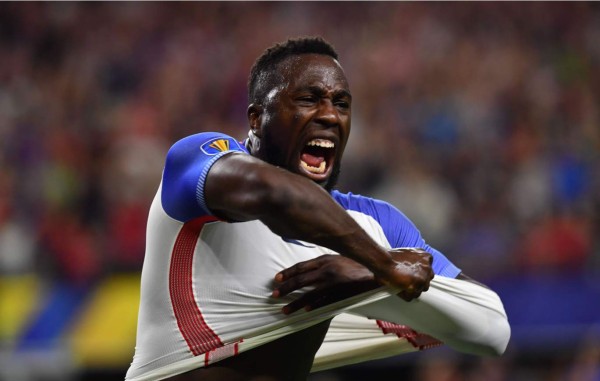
[316,158]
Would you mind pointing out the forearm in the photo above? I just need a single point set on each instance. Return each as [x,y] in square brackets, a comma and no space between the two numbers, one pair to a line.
[465,316]
[241,187]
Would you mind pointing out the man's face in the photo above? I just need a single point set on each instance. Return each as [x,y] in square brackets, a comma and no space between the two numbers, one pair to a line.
[304,120]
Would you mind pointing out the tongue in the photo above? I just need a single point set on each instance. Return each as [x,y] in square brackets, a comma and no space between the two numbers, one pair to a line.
[313,161]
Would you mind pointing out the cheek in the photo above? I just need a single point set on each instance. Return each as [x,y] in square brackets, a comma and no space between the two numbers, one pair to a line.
[345,130]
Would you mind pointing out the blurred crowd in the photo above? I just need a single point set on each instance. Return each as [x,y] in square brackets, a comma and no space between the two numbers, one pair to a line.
[480,121]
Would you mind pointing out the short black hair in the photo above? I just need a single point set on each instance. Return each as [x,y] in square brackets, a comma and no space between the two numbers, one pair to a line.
[261,79]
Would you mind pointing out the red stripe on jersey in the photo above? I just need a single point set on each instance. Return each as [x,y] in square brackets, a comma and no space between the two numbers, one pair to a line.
[199,337]
[418,340]
[221,353]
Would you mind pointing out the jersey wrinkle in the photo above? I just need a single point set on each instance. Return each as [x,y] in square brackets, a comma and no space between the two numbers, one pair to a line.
[219,275]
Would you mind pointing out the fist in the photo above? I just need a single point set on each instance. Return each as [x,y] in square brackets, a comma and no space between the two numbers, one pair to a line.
[411,273]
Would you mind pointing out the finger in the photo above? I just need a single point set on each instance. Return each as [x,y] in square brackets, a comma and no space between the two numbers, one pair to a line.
[296,283]
[409,295]
[404,296]
[427,283]
[406,293]
[313,300]
[414,290]
[416,295]
[298,268]
[321,302]
[302,301]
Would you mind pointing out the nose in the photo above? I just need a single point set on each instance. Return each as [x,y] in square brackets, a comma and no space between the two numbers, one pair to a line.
[327,114]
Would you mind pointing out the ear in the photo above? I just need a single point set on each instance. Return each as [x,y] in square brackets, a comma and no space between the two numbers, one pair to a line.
[255,112]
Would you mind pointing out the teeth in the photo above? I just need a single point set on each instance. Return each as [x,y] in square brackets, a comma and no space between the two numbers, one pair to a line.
[318,170]
[321,143]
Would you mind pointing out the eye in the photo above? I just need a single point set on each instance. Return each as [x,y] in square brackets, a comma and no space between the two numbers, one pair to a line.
[307,99]
[343,104]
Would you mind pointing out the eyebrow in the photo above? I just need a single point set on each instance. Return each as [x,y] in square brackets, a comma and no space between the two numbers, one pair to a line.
[336,93]
[343,93]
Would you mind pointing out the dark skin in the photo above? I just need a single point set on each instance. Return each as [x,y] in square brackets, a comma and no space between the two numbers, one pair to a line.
[334,278]
[274,186]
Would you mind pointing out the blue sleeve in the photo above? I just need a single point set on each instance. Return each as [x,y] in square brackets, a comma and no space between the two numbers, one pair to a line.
[186,167]
[398,229]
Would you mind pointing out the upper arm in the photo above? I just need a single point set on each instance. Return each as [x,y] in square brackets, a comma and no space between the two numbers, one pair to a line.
[241,187]
[186,169]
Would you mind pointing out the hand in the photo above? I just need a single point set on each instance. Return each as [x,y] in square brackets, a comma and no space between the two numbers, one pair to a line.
[333,277]
[411,272]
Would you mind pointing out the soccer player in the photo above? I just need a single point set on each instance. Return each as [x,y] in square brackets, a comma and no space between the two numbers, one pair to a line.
[238,231]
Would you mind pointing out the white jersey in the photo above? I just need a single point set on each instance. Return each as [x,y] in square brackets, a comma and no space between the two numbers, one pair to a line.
[207,284]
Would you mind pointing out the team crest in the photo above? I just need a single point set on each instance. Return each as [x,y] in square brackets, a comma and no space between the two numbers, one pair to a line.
[218,145]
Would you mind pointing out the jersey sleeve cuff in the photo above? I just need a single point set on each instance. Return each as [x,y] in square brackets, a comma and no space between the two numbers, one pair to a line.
[202,180]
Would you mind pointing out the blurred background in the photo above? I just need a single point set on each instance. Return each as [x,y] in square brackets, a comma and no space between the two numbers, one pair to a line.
[480,121]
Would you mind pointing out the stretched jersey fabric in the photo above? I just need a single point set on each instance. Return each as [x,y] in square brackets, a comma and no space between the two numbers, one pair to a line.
[206,283]
[466,316]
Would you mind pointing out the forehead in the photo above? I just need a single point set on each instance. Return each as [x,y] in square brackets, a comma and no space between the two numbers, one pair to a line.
[313,69]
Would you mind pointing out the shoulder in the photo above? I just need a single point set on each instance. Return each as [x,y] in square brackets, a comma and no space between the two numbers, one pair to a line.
[205,144]
[398,229]
[352,201]
[198,152]
[186,167]
[378,209]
